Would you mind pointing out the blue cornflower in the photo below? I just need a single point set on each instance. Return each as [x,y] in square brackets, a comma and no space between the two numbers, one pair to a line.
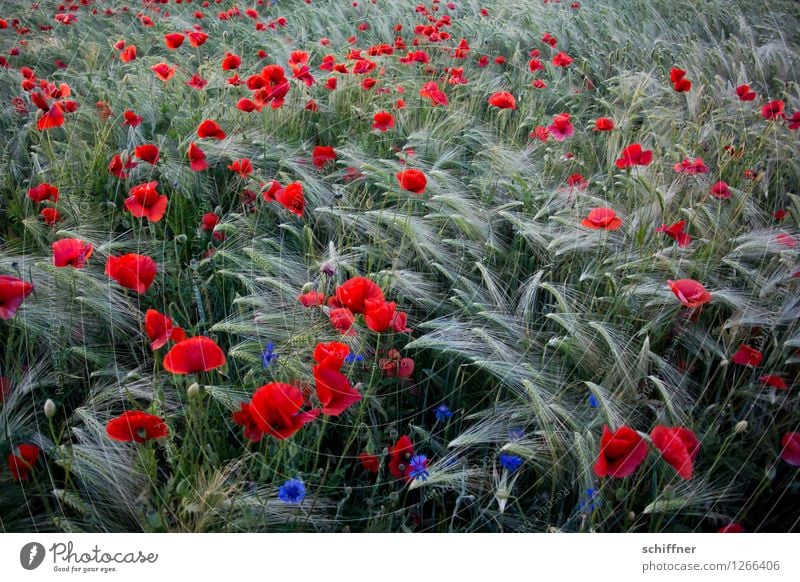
[293,491]
[352,358]
[593,401]
[443,413]
[515,434]
[417,467]
[510,462]
[268,355]
[591,502]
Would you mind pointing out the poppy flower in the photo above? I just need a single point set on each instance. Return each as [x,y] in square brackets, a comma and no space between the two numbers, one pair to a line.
[311,298]
[173,40]
[247,105]
[720,190]
[603,124]
[244,418]
[128,53]
[399,455]
[323,155]
[679,81]
[691,167]
[53,118]
[369,462]
[197,82]
[633,155]
[132,271]
[231,61]
[196,354]
[678,446]
[160,329]
[342,319]
[50,216]
[130,118]
[197,38]
[356,291]
[786,240]
[378,314]
[621,452]
[790,451]
[243,167]
[675,232]
[773,380]
[400,322]
[430,90]
[331,354]
[412,180]
[42,192]
[13,292]
[773,110]
[163,71]
[145,202]
[147,153]
[561,127]
[334,390]
[71,252]
[23,462]
[562,60]
[276,409]
[794,121]
[291,197]
[602,218]
[197,158]
[136,426]
[394,365]
[503,100]
[747,356]
[691,293]
[744,93]
[210,129]
[268,194]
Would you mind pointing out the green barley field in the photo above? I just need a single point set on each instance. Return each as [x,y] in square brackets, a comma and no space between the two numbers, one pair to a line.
[389,266]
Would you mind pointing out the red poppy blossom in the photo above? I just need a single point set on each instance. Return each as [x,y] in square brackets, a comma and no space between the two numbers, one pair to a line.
[160,329]
[173,40]
[231,61]
[71,252]
[382,121]
[379,314]
[210,129]
[197,82]
[394,365]
[356,291]
[679,81]
[132,271]
[747,356]
[633,155]
[147,152]
[794,121]
[130,118]
[773,110]
[163,71]
[691,167]
[342,319]
[720,190]
[331,354]
[400,453]
[675,232]
[53,118]
[790,451]
[196,354]
[197,158]
[323,155]
[602,218]
[291,197]
[334,390]
[369,462]
[268,194]
[128,53]
[50,216]
[145,202]
[430,90]
[773,380]
[23,462]
[311,299]
[691,293]
[621,452]
[276,410]
[562,60]
[678,446]
[561,127]
[503,100]
[136,426]
[243,167]
[13,292]
[603,124]
[42,192]
[197,38]
[744,93]
[412,180]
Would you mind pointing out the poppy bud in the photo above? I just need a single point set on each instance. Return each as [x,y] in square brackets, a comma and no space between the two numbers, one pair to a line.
[181,238]
[218,210]
[348,491]
[740,427]
[110,205]
[394,496]
[307,287]
[393,434]
[49,408]
[193,390]
[631,515]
